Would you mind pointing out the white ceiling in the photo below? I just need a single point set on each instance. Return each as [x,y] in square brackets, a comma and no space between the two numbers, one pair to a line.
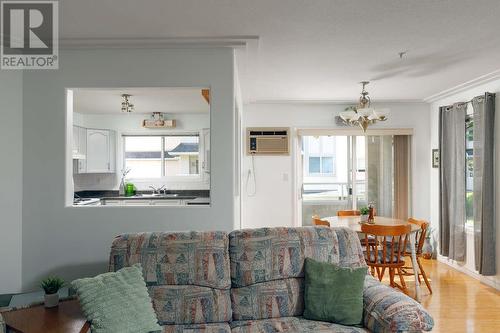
[145,100]
[321,49]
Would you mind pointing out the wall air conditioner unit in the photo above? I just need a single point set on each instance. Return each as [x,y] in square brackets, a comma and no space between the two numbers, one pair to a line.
[268,141]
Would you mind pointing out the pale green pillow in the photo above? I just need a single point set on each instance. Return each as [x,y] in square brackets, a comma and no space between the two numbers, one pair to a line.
[117,302]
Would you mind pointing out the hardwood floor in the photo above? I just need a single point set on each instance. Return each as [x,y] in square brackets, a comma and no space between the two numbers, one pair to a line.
[459,303]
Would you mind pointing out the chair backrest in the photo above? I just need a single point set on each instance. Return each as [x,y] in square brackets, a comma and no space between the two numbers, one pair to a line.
[178,266]
[393,244]
[351,212]
[317,221]
[419,235]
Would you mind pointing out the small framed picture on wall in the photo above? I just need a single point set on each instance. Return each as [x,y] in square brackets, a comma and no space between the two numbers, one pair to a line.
[435,158]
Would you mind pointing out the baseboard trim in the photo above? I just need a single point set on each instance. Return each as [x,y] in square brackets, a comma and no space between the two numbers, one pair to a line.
[487,280]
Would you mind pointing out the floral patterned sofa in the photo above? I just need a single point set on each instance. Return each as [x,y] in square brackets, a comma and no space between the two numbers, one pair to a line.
[251,281]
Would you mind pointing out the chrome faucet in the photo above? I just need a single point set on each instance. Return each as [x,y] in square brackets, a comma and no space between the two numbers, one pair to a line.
[157,190]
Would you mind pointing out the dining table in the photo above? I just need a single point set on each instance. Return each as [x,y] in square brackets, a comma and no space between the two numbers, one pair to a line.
[355,222]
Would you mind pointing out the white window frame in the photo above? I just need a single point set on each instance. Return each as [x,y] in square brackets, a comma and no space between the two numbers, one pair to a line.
[164,178]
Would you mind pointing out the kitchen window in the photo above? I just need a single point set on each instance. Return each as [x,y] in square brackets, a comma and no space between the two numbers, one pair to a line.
[150,157]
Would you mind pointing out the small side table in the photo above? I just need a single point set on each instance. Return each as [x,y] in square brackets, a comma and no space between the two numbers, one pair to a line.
[65,318]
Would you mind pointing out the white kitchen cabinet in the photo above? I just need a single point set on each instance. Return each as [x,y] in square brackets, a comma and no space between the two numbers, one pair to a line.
[113,202]
[136,202]
[79,144]
[101,151]
[79,148]
[167,203]
[142,202]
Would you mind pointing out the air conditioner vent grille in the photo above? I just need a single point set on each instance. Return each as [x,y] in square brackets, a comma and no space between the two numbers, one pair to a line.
[268,141]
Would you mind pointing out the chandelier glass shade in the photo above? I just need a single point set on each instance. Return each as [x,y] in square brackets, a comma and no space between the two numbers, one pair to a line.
[126,105]
[363,115]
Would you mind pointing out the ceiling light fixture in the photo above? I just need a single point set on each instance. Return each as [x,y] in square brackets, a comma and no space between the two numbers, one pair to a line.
[363,115]
[126,105]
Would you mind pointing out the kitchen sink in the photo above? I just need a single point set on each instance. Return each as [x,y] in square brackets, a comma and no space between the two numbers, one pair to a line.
[156,195]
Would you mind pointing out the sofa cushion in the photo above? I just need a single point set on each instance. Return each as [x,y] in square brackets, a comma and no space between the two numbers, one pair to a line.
[193,304]
[182,258]
[271,299]
[197,328]
[291,325]
[187,273]
[266,254]
[117,302]
[333,293]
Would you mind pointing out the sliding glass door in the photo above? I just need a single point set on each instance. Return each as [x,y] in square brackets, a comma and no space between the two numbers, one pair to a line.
[347,172]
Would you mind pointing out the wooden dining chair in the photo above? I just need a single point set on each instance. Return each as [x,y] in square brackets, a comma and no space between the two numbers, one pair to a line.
[350,212]
[419,243]
[387,253]
[316,220]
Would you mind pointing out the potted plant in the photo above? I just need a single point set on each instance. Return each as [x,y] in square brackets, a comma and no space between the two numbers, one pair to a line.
[364,211]
[51,286]
[427,247]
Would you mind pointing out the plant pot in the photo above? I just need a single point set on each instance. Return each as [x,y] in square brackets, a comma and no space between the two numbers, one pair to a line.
[51,300]
[427,249]
[364,217]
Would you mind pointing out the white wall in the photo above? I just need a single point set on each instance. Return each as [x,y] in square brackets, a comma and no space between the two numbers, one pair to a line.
[273,203]
[132,124]
[11,145]
[468,266]
[75,241]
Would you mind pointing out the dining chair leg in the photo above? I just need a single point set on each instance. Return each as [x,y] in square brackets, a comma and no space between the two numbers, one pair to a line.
[424,275]
[402,280]
[391,276]
[382,274]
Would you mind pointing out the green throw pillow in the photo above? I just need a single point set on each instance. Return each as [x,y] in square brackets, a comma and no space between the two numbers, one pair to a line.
[117,302]
[332,293]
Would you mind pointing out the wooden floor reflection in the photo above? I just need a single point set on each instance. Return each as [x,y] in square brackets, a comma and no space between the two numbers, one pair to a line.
[459,303]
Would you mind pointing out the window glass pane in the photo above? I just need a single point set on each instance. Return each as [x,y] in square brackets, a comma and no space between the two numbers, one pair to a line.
[327,165]
[182,155]
[313,145]
[314,166]
[143,156]
[469,172]
[328,145]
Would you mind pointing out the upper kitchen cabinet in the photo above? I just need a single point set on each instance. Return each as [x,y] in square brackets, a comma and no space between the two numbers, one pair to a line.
[101,151]
[79,149]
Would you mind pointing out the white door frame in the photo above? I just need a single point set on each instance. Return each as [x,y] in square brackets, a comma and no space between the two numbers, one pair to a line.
[296,135]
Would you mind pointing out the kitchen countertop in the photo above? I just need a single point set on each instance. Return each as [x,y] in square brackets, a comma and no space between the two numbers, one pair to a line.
[199,201]
[190,197]
[151,197]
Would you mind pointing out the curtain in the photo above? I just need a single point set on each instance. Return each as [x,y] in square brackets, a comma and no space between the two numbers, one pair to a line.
[452,181]
[401,176]
[484,184]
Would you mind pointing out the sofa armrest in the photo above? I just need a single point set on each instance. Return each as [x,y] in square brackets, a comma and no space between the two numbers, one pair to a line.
[388,310]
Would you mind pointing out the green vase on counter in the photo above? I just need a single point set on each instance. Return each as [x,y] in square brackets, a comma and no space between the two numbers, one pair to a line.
[129,190]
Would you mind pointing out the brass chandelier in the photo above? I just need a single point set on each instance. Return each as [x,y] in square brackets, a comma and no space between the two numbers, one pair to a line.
[363,115]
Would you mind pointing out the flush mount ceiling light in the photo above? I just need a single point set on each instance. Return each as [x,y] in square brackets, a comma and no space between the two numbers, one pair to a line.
[363,115]
[126,105]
